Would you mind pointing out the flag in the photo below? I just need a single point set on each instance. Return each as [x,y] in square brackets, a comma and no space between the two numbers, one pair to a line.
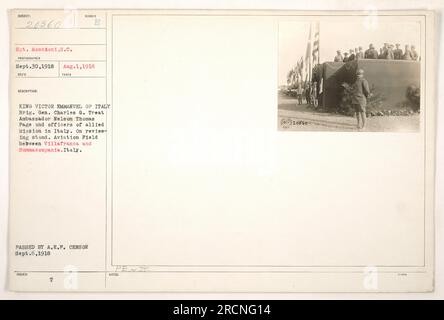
[289,76]
[308,54]
[299,69]
[301,66]
[315,52]
[312,52]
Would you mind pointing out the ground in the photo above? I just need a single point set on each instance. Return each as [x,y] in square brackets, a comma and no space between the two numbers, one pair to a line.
[294,117]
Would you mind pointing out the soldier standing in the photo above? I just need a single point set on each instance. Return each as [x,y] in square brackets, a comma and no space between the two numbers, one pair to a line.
[385,49]
[381,54]
[367,52]
[339,57]
[389,55]
[371,52]
[307,94]
[360,54]
[360,94]
[314,94]
[300,92]
[345,57]
[407,53]
[397,53]
[414,53]
[351,56]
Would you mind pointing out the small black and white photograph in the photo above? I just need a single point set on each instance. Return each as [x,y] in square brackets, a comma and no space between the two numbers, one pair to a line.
[362,75]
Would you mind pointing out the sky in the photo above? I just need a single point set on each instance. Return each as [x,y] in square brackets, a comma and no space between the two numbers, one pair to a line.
[293,37]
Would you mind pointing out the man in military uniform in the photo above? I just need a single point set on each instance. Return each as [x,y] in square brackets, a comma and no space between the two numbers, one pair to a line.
[381,54]
[314,94]
[385,49]
[415,54]
[339,57]
[351,56]
[360,94]
[345,57]
[407,53]
[367,52]
[307,94]
[397,53]
[371,52]
[360,53]
[389,55]
[300,92]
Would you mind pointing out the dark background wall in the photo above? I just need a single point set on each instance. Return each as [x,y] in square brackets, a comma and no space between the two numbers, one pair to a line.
[388,78]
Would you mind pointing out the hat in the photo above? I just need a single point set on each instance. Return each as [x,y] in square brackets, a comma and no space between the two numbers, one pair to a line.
[359,71]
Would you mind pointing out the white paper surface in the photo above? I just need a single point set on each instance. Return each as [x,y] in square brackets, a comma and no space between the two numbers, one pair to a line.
[192,187]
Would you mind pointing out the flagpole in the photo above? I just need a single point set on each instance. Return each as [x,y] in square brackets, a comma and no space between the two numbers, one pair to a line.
[310,66]
[308,53]
[319,42]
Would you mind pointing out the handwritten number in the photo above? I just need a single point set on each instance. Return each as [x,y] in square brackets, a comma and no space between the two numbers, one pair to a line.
[44,24]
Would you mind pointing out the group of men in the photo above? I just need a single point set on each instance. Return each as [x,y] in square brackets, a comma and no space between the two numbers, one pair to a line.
[310,93]
[388,52]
